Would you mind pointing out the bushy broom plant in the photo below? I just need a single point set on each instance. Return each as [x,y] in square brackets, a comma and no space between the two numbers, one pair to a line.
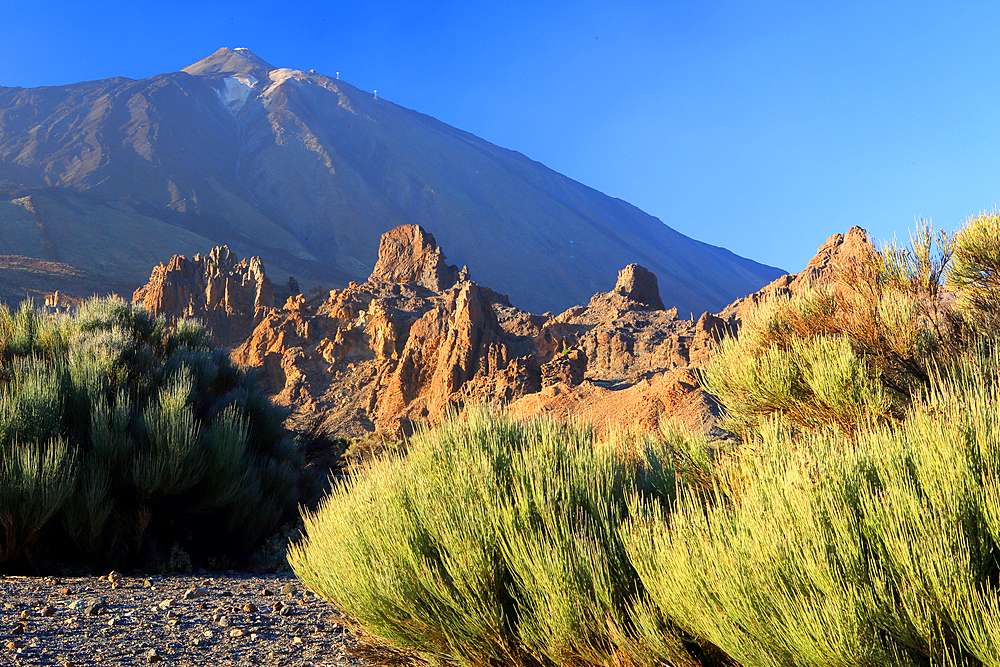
[120,440]
[858,350]
[493,542]
[878,549]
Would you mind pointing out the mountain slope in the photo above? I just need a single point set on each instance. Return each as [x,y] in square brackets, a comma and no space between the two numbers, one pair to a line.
[308,172]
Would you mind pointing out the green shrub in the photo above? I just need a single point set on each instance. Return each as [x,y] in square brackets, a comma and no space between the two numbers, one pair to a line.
[120,440]
[878,549]
[855,351]
[491,542]
[975,270]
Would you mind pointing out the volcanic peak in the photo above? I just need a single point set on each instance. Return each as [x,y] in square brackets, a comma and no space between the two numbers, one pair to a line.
[231,62]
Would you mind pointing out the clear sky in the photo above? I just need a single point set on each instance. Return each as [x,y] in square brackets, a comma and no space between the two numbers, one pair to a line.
[762,127]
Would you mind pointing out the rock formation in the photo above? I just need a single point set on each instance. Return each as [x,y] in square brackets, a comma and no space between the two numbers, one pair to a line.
[408,254]
[230,297]
[419,336]
[839,252]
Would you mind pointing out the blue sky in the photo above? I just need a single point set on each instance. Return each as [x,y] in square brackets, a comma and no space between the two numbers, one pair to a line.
[762,127]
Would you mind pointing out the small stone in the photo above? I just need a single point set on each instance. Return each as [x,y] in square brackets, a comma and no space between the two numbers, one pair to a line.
[153,656]
[113,621]
[224,621]
[286,610]
[208,634]
[253,636]
[196,642]
[18,630]
[14,644]
[277,606]
[202,606]
[250,607]
[48,610]
[146,583]
[267,592]
[288,589]
[194,593]
[296,640]
[227,594]
[166,604]
[66,591]
[27,613]
[114,577]
[170,614]
[95,606]
[236,632]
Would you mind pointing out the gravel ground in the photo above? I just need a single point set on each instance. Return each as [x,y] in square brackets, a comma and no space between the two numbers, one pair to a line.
[212,619]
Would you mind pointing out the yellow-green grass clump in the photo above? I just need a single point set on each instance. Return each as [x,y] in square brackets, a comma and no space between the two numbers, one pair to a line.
[491,542]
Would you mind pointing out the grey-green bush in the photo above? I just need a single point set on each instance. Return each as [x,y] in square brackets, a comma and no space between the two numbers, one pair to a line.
[120,440]
[493,542]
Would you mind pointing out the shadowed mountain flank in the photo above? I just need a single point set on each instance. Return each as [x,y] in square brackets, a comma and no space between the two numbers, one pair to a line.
[307,172]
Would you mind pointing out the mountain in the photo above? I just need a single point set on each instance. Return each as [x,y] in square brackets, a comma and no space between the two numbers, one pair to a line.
[307,172]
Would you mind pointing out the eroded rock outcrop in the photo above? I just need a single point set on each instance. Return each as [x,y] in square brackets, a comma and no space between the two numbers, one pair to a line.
[408,254]
[419,336]
[229,296]
[839,252]
[416,337]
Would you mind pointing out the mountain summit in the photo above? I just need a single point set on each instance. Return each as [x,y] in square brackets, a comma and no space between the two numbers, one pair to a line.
[230,62]
[307,172]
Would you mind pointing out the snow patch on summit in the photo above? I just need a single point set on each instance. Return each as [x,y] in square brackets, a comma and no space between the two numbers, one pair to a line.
[235,91]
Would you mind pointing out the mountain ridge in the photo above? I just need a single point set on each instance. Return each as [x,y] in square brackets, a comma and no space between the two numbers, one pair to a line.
[308,171]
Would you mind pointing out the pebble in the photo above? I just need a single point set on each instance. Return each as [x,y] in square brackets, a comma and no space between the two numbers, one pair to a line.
[128,625]
[195,593]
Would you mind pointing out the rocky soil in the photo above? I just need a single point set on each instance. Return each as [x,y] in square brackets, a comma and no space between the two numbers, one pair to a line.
[208,619]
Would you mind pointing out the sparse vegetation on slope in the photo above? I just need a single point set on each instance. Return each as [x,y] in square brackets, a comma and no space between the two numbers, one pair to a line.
[121,442]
